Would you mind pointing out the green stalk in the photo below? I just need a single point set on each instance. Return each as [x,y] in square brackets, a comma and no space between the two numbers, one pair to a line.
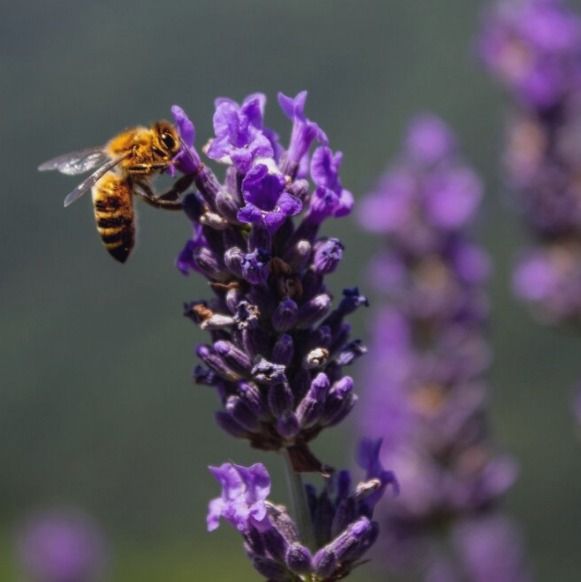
[299,503]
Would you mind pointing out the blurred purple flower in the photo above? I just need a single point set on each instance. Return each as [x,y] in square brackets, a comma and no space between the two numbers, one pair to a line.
[533,47]
[425,395]
[61,546]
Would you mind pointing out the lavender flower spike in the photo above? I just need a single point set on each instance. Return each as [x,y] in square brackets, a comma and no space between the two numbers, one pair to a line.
[255,239]
[343,519]
[426,394]
[542,156]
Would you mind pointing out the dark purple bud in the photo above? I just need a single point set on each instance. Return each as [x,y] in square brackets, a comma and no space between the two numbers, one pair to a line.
[280,399]
[354,541]
[233,299]
[351,301]
[285,315]
[255,341]
[283,522]
[287,425]
[340,336]
[298,559]
[251,395]
[215,361]
[242,414]
[339,398]
[323,518]
[328,254]
[336,411]
[269,373]
[275,543]
[228,424]
[350,353]
[208,263]
[322,336]
[233,258]
[283,350]
[227,205]
[325,563]
[312,283]
[345,513]
[311,406]
[298,255]
[255,267]
[204,376]
[270,569]
[234,357]
[313,310]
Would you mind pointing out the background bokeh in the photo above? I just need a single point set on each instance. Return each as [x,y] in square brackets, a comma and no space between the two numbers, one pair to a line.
[97,409]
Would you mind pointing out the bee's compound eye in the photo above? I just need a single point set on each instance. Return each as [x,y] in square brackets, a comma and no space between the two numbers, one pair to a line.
[168,141]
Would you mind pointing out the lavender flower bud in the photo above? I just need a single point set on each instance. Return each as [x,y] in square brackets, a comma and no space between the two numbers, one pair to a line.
[227,206]
[234,358]
[298,559]
[242,414]
[216,363]
[298,255]
[208,264]
[283,350]
[287,425]
[314,310]
[285,315]
[310,409]
[328,255]
[233,259]
[350,353]
[340,401]
[280,399]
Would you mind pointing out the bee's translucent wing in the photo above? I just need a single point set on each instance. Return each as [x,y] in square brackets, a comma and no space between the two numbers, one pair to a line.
[89,182]
[76,162]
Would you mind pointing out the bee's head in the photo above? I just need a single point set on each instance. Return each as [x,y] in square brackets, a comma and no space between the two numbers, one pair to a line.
[167,138]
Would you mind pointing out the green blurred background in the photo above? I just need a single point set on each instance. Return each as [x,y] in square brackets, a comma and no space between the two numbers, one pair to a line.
[97,408]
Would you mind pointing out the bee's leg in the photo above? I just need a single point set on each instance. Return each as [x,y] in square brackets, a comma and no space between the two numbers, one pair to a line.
[169,199]
[156,202]
[179,187]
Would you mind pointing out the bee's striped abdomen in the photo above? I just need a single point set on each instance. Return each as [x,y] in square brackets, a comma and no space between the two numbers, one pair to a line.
[113,206]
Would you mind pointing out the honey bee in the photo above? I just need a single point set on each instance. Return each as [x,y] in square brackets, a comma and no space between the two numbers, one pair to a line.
[123,168]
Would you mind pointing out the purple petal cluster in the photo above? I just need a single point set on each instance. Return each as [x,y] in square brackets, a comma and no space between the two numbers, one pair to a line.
[342,516]
[277,345]
[61,546]
[426,394]
[534,48]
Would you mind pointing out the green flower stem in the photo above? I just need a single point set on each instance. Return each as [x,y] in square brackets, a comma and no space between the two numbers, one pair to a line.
[299,503]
